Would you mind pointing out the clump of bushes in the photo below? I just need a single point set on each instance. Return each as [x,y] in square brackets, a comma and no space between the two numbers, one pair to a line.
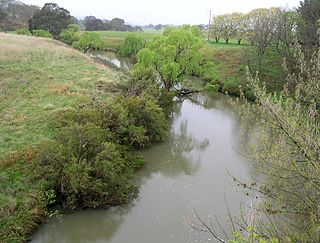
[211,87]
[91,160]
[42,33]
[132,45]
[89,40]
[23,31]
[37,33]
[71,34]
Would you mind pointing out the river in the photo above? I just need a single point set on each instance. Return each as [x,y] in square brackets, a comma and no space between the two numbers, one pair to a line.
[190,171]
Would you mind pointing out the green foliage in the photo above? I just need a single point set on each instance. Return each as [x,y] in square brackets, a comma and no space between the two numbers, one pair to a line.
[90,162]
[51,18]
[308,25]
[78,161]
[135,121]
[173,56]
[142,81]
[71,34]
[89,40]
[23,32]
[42,33]
[287,153]
[132,45]
[211,87]
[15,15]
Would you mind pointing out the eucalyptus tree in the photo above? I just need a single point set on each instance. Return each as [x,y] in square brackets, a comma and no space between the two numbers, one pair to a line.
[51,18]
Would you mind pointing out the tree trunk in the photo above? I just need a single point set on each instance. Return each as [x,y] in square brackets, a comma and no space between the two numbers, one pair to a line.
[227,40]
[239,41]
[217,39]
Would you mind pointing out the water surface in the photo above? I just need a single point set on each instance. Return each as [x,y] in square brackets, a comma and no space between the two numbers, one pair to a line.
[190,171]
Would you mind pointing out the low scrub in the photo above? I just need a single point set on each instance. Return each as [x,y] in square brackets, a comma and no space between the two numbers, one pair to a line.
[23,32]
[42,33]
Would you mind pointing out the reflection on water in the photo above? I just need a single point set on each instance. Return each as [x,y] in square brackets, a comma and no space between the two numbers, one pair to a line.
[125,63]
[189,171]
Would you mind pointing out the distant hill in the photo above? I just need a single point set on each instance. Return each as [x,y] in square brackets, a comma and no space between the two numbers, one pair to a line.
[15,14]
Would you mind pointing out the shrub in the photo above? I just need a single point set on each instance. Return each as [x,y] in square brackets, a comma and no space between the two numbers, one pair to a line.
[146,113]
[211,87]
[142,81]
[71,34]
[89,40]
[232,86]
[132,45]
[23,32]
[41,33]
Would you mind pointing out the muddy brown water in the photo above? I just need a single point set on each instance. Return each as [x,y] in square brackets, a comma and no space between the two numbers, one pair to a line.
[190,171]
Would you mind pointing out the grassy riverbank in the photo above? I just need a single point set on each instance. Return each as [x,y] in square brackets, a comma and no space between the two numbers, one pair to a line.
[231,61]
[39,77]
[114,39]
[64,137]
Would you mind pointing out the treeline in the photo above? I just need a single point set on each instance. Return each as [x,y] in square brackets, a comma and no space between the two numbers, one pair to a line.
[91,23]
[15,15]
[273,27]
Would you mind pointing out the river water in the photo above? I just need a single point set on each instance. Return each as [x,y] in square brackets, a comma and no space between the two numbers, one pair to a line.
[187,173]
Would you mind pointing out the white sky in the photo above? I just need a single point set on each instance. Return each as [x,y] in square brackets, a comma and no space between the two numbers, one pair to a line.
[143,12]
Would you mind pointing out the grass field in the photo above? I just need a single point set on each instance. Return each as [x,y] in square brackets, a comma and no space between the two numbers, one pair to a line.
[38,77]
[114,39]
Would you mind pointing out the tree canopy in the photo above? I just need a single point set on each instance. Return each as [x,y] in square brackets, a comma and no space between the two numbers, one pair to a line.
[51,18]
[174,55]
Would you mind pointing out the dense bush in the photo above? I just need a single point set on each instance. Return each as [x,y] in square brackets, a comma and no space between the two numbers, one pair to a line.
[41,33]
[23,32]
[91,160]
[89,40]
[132,45]
[71,34]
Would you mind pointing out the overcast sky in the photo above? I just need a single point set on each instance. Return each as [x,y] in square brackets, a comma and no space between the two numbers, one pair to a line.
[143,12]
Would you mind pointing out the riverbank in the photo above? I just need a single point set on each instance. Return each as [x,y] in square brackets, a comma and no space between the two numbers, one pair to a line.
[64,137]
[39,77]
[231,61]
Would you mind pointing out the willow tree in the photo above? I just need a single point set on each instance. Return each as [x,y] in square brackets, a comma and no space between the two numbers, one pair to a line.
[174,55]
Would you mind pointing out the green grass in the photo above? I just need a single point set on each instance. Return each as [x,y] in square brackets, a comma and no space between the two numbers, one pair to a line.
[231,61]
[39,77]
[114,39]
[233,43]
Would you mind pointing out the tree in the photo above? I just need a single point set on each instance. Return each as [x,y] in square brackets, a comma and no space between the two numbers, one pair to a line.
[71,34]
[51,18]
[285,36]
[158,27]
[91,23]
[132,45]
[15,15]
[88,41]
[216,28]
[288,154]
[173,56]
[240,26]
[308,24]
[262,25]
